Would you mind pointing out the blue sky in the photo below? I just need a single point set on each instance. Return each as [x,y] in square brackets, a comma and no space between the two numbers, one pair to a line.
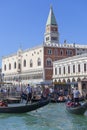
[22,22]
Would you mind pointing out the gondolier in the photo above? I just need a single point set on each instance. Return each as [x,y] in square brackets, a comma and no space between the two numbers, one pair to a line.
[28,91]
[76,95]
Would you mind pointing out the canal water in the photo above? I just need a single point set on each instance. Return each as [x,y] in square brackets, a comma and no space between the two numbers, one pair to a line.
[51,117]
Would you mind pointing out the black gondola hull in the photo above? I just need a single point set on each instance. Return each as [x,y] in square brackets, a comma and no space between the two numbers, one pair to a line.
[23,108]
[79,110]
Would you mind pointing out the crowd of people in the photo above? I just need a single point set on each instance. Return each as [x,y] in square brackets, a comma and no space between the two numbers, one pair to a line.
[50,92]
[44,92]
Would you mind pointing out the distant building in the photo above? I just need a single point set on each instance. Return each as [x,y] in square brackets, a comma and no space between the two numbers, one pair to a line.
[1,77]
[36,65]
[72,69]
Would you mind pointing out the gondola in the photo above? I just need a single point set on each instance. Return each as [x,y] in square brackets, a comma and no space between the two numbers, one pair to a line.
[22,108]
[52,100]
[34,99]
[77,109]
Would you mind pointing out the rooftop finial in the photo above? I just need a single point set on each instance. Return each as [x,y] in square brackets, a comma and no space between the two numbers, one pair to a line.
[20,47]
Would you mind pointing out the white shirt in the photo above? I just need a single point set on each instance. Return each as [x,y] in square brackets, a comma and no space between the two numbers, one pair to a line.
[76,93]
[28,89]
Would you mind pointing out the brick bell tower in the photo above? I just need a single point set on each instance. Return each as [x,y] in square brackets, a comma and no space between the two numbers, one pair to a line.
[51,33]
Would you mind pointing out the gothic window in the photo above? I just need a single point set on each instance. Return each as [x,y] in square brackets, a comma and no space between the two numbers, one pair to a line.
[14,65]
[63,80]
[9,66]
[73,68]
[31,63]
[66,52]
[19,66]
[55,71]
[47,38]
[68,69]
[73,80]
[53,38]
[49,62]
[68,80]
[79,68]
[69,52]
[85,67]
[39,62]
[64,70]
[59,70]
[5,67]
[78,79]
[24,63]
[61,52]
[49,51]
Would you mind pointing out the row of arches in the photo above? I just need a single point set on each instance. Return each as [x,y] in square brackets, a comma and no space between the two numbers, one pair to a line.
[67,80]
[18,63]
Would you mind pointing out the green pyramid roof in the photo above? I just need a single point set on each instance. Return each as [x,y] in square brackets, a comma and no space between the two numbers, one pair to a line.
[51,18]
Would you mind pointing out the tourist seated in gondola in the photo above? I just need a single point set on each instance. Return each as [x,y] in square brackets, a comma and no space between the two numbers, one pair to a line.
[75,101]
[73,104]
[3,103]
[61,98]
[69,97]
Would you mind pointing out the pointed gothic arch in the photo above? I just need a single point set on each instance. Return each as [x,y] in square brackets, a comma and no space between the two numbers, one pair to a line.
[73,80]
[78,79]
[68,80]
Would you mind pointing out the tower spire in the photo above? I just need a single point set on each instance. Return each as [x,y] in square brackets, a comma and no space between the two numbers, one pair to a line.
[51,17]
[51,34]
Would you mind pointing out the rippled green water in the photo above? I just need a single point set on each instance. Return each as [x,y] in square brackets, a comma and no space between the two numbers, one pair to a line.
[50,117]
